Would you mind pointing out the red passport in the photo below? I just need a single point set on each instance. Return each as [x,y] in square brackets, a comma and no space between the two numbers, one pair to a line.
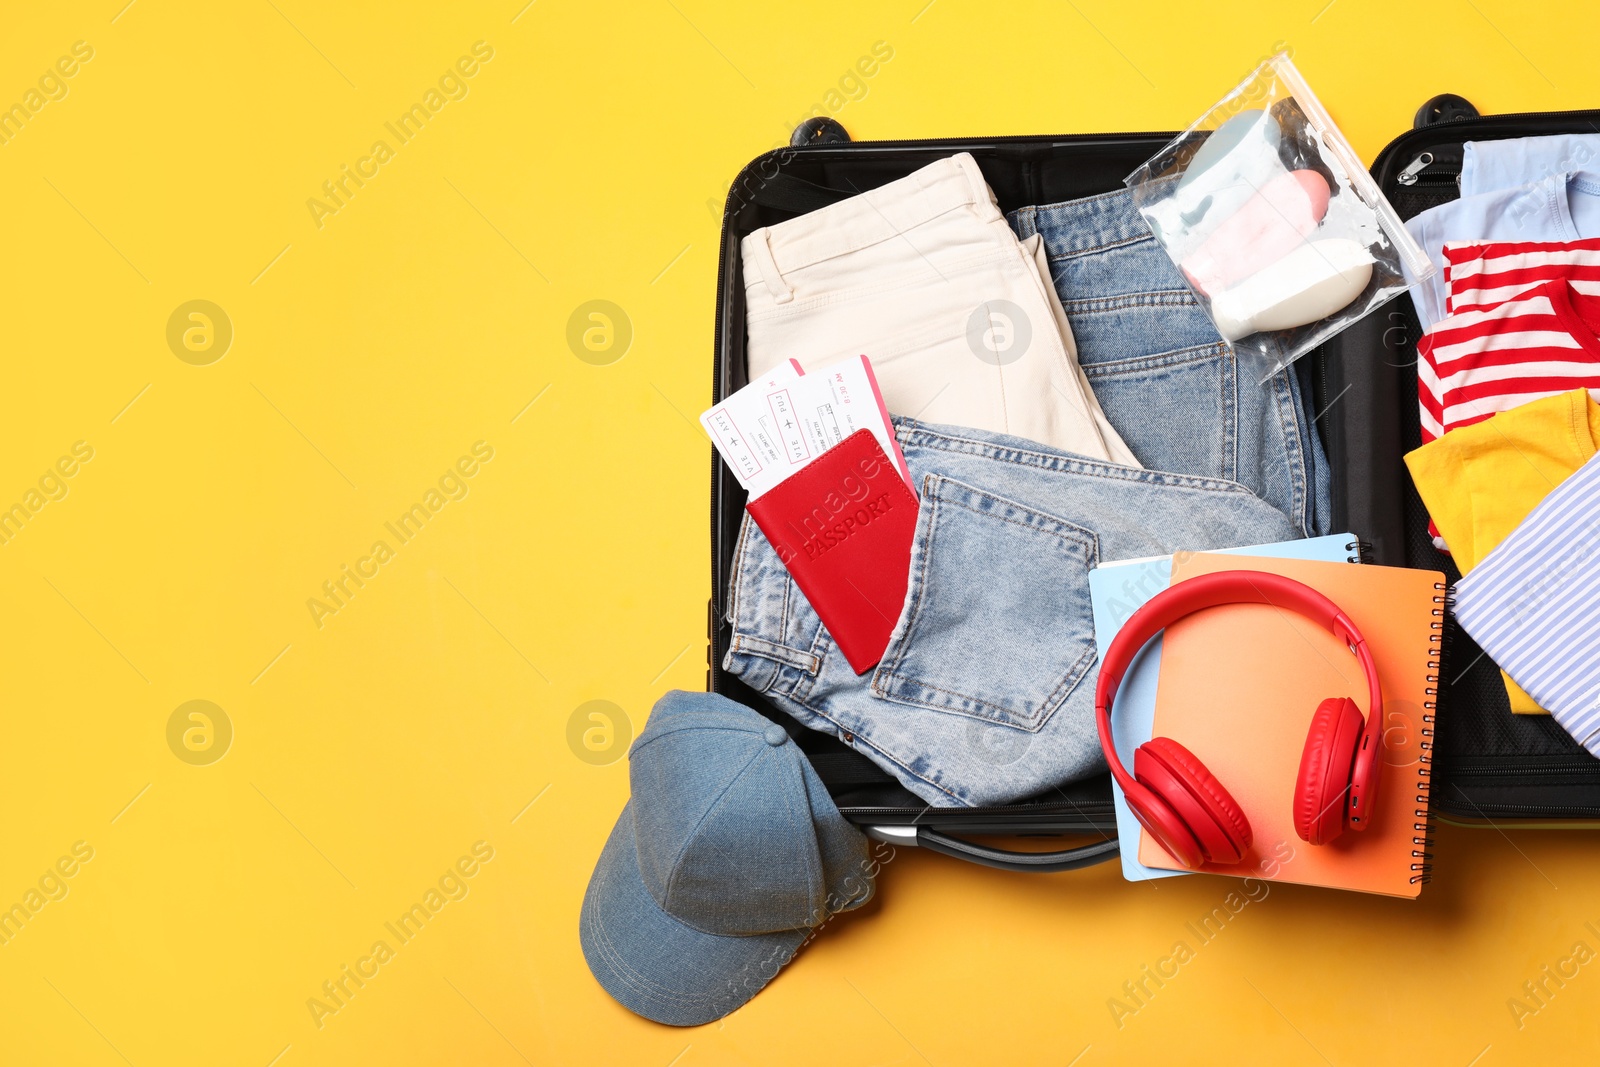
[842,524]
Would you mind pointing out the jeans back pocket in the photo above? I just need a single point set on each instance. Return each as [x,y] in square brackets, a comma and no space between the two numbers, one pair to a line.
[997,624]
[1178,411]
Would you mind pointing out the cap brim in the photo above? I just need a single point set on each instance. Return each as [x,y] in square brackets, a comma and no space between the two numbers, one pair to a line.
[657,966]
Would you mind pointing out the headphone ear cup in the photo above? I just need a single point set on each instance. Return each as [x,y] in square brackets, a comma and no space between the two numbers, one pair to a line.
[1326,763]
[1193,793]
[1165,825]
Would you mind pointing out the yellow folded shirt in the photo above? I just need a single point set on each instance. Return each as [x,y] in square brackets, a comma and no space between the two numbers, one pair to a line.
[1480,481]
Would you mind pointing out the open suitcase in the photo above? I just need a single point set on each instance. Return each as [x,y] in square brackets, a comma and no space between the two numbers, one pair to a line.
[1488,765]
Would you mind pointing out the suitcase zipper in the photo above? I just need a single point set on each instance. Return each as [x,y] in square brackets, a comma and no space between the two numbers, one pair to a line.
[1408,176]
[1464,130]
[1544,811]
[1416,172]
[1545,766]
[1439,165]
[1484,776]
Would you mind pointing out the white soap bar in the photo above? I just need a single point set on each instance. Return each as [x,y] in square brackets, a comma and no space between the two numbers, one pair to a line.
[1310,283]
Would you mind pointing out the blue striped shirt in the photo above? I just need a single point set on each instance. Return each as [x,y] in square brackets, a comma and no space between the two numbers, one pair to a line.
[1533,604]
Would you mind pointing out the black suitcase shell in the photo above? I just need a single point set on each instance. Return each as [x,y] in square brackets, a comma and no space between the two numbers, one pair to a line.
[1489,764]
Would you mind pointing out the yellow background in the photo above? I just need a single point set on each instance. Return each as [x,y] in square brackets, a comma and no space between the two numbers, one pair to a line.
[587,161]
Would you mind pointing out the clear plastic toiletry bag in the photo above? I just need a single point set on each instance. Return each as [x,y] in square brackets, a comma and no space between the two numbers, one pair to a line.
[1273,220]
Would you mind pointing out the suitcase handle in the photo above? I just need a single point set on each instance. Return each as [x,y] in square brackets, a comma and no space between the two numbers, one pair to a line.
[1070,859]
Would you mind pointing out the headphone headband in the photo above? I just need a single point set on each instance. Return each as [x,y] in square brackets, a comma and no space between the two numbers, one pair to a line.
[1241,587]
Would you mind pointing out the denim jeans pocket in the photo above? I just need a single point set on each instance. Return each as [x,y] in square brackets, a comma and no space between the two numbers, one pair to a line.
[997,624]
[1177,410]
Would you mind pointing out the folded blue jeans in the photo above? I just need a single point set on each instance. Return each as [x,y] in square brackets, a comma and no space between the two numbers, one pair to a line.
[986,691]
[1175,392]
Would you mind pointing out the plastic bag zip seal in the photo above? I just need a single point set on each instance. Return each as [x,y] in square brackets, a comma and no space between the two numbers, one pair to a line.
[1416,259]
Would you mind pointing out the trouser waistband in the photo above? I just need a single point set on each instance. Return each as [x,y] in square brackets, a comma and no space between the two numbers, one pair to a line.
[878,215]
[1078,227]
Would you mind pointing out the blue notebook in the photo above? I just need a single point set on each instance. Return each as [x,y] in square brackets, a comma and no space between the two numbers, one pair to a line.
[1116,591]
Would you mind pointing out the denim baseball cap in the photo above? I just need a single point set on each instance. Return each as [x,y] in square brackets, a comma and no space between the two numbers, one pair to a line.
[727,855]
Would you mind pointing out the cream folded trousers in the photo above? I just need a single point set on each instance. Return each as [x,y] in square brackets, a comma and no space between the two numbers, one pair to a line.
[924,277]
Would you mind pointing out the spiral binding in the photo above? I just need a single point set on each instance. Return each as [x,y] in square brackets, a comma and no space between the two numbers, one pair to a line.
[1438,643]
[1438,648]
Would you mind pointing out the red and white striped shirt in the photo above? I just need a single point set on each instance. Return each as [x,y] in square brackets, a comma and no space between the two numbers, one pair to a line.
[1477,362]
[1483,274]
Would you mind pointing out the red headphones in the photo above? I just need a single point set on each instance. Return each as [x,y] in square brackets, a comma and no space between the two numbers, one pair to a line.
[1181,803]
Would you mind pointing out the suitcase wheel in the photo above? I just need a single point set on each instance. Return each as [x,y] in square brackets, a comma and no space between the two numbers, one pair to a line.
[1446,107]
[818,130]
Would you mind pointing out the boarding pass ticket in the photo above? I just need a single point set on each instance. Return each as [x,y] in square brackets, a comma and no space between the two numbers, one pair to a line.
[779,423]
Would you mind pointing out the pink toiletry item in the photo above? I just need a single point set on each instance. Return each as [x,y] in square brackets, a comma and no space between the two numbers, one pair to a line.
[1271,224]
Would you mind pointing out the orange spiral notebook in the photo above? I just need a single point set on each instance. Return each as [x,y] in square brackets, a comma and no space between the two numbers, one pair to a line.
[1238,687]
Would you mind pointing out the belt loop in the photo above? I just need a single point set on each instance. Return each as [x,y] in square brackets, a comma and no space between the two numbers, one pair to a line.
[1027,223]
[979,187]
[761,252]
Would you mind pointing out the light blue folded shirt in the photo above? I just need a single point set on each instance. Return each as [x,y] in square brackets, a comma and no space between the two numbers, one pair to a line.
[1487,166]
[1530,604]
[1562,207]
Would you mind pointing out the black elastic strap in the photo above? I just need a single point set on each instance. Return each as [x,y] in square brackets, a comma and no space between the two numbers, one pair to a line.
[789,193]
[841,770]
